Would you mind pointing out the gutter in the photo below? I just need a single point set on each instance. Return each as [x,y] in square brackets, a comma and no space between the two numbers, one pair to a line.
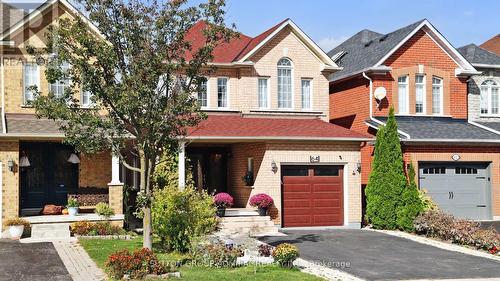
[483,65]
[371,107]
[453,140]
[483,127]
[279,138]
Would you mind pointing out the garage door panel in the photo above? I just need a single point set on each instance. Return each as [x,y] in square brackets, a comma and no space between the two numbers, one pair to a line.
[461,189]
[315,200]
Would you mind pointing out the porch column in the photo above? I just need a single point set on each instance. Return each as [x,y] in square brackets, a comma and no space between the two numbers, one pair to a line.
[115,187]
[182,165]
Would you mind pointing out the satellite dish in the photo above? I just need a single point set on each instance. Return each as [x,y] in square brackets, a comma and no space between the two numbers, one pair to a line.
[380,93]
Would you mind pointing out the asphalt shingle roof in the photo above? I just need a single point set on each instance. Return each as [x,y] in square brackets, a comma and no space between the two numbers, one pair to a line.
[30,124]
[475,54]
[366,48]
[493,125]
[419,127]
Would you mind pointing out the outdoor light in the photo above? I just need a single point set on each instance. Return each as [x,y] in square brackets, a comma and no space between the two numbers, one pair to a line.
[274,167]
[248,177]
[73,159]
[24,161]
[10,165]
[359,167]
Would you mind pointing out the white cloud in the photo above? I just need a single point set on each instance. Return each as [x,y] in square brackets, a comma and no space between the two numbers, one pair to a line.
[329,43]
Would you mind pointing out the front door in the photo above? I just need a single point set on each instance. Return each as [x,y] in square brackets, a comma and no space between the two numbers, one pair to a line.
[49,177]
[209,168]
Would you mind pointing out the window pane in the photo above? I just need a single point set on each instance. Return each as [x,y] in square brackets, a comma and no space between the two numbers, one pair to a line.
[31,78]
[419,94]
[222,92]
[403,94]
[326,171]
[59,87]
[494,100]
[295,171]
[437,89]
[86,98]
[202,93]
[306,94]
[484,100]
[284,88]
[263,92]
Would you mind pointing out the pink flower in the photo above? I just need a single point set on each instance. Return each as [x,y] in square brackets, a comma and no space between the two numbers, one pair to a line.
[223,200]
[261,200]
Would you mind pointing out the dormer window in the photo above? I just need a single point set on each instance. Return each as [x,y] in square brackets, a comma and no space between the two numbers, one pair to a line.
[285,94]
[437,96]
[489,98]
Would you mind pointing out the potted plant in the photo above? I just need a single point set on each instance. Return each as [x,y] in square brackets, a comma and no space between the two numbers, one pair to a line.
[262,201]
[222,201]
[72,206]
[16,227]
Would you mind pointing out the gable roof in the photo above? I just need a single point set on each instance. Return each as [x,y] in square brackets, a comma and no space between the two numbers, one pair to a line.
[492,45]
[478,56]
[239,50]
[368,49]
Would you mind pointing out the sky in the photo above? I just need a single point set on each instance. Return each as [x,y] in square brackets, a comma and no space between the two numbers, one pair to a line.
[330,22]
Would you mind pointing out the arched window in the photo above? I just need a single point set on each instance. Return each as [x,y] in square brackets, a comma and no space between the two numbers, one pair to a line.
[489,98]
[285,94]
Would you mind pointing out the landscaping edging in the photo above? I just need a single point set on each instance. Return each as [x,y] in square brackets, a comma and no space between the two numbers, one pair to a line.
[438,244]
[108,237]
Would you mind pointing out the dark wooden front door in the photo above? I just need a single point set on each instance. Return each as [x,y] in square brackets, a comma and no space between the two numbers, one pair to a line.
[209,168]
[50,176]
[312,196]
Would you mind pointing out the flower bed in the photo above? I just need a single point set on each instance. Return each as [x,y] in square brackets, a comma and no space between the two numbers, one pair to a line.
[136,265]
[440,225]
[108,237]
[86,228]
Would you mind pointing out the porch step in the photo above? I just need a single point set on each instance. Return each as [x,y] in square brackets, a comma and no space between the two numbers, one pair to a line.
[240,212]
[247,225]
[50,231]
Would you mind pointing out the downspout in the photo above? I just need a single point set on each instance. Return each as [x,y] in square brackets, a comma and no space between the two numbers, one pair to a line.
[2,78]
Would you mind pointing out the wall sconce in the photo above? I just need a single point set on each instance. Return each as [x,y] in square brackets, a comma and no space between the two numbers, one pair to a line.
[24,161]
[248,177]
[10,165]
[73,159]
[358,167]
[274,167]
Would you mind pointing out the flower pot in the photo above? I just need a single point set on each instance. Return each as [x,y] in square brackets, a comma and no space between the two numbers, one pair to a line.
[221,211]
[262,211]
[16,231]
[73,211]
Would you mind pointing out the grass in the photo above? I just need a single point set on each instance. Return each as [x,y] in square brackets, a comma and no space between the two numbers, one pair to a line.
[100,249]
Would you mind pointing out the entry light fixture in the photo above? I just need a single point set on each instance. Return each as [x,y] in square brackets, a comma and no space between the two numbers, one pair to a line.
[73,159]
[358,167]
[24,161]
[274,167]
[10,165]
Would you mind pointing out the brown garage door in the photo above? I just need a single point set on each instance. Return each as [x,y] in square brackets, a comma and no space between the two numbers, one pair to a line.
[312,196]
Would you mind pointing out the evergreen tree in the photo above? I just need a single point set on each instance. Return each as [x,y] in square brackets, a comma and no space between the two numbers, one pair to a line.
[411,204]
[387,180]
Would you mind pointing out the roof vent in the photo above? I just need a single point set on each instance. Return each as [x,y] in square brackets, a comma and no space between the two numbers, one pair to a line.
[368,43]
[383,38]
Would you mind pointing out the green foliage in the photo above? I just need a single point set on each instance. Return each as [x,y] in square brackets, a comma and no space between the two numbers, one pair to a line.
[95,228]
[17,221]
[179,217]
[137,264]
[411,204]
[104,210]
[72,203]
[217,255]
[284,254]
[166,173]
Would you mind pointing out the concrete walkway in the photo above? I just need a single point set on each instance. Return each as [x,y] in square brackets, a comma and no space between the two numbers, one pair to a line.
[78,263]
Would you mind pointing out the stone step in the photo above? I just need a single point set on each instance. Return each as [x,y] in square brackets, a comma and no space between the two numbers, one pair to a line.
[245,224]
[241,212]
[250,230]
[50,230]
[246,219]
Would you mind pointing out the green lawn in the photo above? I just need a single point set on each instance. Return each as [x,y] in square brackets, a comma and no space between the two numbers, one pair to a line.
[99,250]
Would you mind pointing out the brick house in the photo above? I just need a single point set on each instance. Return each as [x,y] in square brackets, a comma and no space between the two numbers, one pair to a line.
[267,130]
[418,72]
[492,45]
[36,167]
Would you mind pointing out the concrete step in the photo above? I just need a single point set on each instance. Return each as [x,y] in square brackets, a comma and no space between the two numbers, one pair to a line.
[240,212]
[249,224]
[50,231]
[250,230]
[246,219]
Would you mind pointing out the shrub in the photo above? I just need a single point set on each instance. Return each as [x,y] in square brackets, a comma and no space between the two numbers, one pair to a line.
[435,224]
[387,180]
[486,239]
[463,230]
[223,200]
[103,210]
[427,202]
[265,250]
[137,264]
[97,228]
[181,216]
[411,205]
[17,221]
[217,255]
[284,254]
[72,203]
[261,200]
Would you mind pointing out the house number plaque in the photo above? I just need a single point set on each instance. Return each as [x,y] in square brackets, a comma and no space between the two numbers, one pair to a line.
[314,159]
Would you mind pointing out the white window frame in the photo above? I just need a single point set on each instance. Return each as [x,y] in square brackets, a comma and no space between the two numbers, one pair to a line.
[424,93]
[25,86]
[227,92]
[268,94]
[208,94]
[292,95]
[488,87]
[407,98]
[310,80]
[63,85]
[441,95]
[90,103]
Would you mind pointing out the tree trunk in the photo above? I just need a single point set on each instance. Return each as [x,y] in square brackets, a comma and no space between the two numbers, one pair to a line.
[147,241]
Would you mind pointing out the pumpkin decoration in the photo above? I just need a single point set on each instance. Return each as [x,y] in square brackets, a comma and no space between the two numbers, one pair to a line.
[65,211]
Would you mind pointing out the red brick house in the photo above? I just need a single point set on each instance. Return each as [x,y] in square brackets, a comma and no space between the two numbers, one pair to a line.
[418,72]
[492,45]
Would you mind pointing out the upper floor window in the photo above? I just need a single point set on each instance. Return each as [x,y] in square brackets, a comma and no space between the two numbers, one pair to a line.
[285,95]
[31,78]
[489,98]
[403,94]
[263,92]
[222,92]
[306,93]
[86,98]
[203,92]
[420,94]
[59,87]
[437,95]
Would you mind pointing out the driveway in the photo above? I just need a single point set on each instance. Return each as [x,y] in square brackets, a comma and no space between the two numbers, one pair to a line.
[37,261]
[376,256]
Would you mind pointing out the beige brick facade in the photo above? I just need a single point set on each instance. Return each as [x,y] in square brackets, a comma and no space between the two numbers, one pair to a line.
[266,181]
[9,150]
[95,170]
